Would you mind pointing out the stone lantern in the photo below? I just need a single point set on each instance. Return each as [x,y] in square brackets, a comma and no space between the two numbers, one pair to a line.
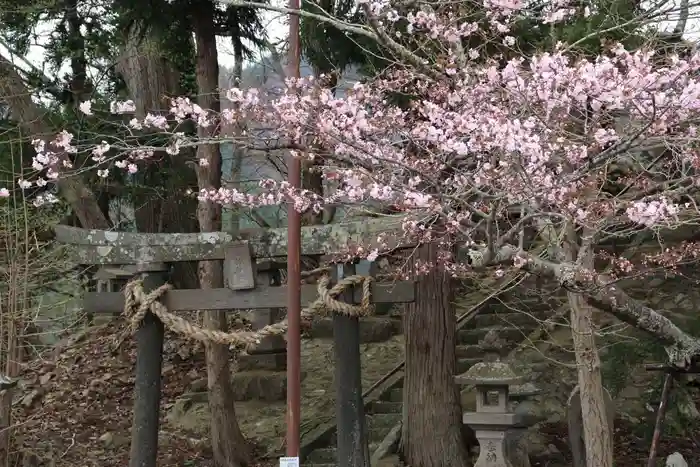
[492,419]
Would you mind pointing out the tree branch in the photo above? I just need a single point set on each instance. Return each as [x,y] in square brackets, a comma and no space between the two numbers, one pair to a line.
[275,59]
[52,86]
[375,33]
[14,92]
[341,25]
[400,50]
[600,291]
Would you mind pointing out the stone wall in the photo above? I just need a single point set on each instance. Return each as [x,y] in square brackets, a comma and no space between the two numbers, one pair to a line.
[57,311]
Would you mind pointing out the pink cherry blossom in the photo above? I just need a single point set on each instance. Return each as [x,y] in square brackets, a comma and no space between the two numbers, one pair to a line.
[482,141]
[122,107]
[86,107]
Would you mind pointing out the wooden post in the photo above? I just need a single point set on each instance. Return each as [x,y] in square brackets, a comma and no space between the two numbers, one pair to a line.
[149,360]
[269,277]
[353,450]
[271,353]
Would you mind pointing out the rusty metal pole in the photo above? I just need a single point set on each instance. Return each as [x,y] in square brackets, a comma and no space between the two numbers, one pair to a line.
[660,415]
[293,267]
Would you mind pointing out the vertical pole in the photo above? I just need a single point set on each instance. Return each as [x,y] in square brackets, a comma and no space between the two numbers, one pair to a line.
[350,417]
[660,415]
[149,360]
[293,266]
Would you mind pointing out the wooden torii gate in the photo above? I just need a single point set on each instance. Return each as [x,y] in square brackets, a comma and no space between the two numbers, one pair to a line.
[147,256]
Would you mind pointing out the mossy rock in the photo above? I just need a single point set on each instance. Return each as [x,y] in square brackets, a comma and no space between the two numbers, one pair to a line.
[372,329]
[268,386]
[190,415]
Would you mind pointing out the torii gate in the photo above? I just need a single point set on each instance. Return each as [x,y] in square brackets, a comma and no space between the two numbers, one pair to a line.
[148,255]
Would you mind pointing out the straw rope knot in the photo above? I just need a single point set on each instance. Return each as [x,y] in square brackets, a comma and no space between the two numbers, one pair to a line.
[138,303]
[328,303]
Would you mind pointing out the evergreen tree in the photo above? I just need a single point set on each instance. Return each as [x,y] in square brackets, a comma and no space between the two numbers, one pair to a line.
[94,36]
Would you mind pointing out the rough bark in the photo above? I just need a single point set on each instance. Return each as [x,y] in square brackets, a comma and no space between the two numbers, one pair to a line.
[229,446]
[596,432]
[311,176]
[233,222]
[150,78]
[432,433]
[78,86]
[81,199]
[237,56]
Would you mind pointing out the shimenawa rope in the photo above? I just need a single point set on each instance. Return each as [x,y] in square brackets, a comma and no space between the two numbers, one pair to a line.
[138,303]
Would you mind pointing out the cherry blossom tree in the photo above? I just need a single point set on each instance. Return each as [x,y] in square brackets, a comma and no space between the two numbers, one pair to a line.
[488,157]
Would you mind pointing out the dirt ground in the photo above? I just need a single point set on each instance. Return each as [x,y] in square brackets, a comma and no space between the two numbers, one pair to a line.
[631,446]
[75,410]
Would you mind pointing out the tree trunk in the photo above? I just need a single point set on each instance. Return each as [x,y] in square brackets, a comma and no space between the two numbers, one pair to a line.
[311,177]
[229,446]
[237,41]
[149,77]
[432,433]
[78,86]
[18,97]
[233,221]
[160,204]
[596,432]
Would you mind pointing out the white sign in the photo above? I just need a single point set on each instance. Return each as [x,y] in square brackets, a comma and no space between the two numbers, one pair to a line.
[289,462]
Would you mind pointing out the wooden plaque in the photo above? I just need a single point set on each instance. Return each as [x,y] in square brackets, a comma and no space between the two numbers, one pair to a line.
[239,272]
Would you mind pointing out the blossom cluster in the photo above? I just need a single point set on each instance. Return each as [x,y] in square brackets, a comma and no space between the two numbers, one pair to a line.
[651,213]
[537,136]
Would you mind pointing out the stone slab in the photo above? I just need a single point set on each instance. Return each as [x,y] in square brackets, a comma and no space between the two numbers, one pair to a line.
[270,361]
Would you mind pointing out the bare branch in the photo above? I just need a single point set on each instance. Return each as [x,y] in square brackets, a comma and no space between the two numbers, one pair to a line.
[602,292]
[341,25]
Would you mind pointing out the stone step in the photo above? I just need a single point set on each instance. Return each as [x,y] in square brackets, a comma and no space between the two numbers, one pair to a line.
[269,386]
[395,395]
[378,407]
[508,319]
[372,329]
[383,309]
[505,333]
[378,426]
[271,361]
[382,421]
[322,456]
[533,304]
[329,456]
[475,351]
[463,364]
